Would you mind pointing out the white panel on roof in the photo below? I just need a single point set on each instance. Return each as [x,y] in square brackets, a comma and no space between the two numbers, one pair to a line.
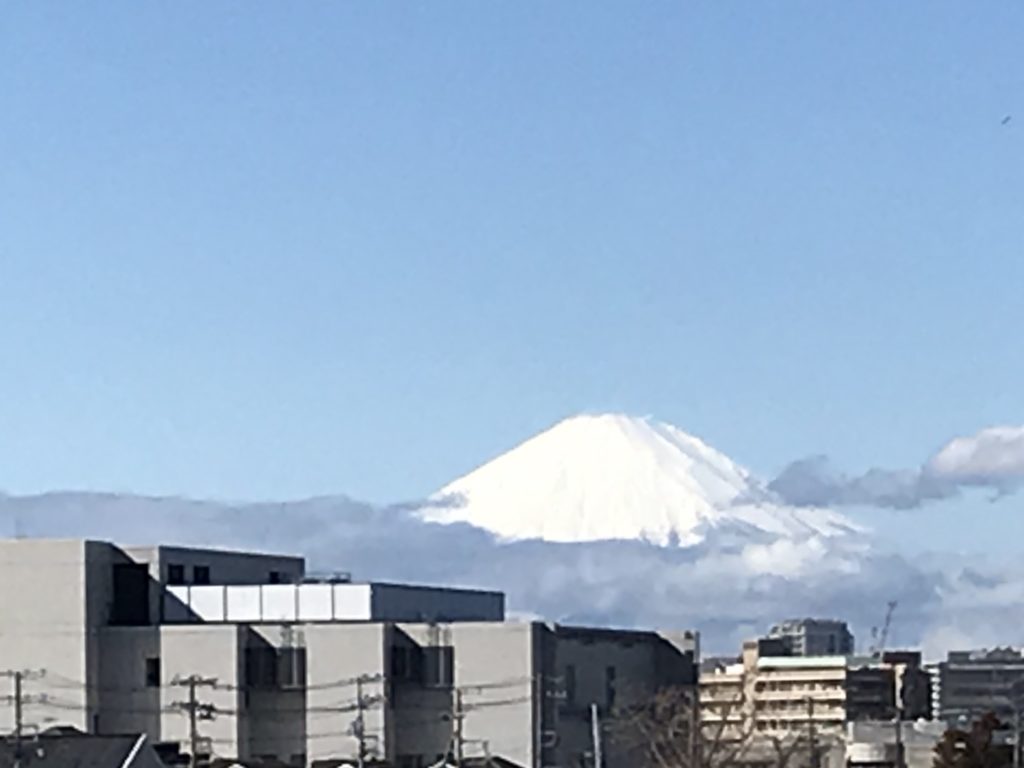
[279,602]
[315,602]
[352,602]
[243,604]
[207,602]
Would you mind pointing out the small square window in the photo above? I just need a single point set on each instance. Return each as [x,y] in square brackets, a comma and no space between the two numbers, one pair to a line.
[200,574]
[153,672]
[275,577]
[175,574]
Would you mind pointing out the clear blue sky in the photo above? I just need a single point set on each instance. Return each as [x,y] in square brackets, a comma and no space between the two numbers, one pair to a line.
[267,250]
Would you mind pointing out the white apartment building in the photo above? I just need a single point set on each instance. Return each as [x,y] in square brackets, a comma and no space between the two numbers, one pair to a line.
[281,667]
[784,699]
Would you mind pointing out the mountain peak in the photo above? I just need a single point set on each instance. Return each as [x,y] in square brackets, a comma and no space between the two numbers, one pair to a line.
[613,476]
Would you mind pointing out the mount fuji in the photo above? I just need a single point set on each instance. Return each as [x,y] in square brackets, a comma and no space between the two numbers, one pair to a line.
[616,477]
[601,519]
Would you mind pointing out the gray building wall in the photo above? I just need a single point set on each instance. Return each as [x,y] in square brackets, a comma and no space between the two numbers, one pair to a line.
[504,683]
[129,701]
[226,567]
[55,596]
[215,652]
[343,659]
[613,669]
[971,683]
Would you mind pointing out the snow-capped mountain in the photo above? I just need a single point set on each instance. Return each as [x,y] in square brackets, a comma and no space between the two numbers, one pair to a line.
[598,477]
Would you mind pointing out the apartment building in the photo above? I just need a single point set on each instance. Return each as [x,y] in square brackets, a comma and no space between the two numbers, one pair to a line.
[280,666]
[813,637]
[787,697]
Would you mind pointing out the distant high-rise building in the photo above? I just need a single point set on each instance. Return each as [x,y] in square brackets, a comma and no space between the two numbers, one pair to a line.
[814,637]
[971,683]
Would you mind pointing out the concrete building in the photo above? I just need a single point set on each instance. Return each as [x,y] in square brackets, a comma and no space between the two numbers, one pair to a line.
[280,666]
[972,683]
[813,637]
[879,745]
[778,700]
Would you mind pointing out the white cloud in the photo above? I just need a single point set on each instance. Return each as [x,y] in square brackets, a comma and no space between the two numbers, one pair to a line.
[992,457]
[723,587]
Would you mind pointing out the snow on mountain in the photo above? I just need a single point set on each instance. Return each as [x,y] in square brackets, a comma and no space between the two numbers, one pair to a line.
[599,477]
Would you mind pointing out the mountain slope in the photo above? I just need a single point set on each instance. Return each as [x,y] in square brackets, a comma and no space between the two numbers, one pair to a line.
[617,477]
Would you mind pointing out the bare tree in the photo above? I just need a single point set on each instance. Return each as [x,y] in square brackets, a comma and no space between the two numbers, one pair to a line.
[673,729]
[667,731]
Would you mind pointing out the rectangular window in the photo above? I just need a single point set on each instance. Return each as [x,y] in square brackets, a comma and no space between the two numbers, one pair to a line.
[153,672]
[399,662]
[570,685]
[261,667]
[200,574]
[175,574]
[609,687]
[291,667]
[131,595]
[275,577]
[438,666]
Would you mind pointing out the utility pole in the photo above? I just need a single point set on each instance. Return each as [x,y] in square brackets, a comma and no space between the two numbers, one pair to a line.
[196,711]
[595,735]
[1017,735]
[18,699]
[812,734]
[457,716]
[360,725]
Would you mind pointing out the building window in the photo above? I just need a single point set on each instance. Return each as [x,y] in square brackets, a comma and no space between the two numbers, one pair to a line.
[291,667]
[175,574]
[609,687]
[267,668]
[437,666]
[275,577]
[570,684]
[200,574]
[153,672]
[399,662]
[261,667]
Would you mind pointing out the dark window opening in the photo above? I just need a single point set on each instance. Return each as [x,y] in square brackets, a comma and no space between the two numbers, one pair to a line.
[275,577]
[570,684]
[609,687]
[200,574]
[175,574]
[153,672]
[267,667]
[399,662]
[130,606]
[436,667]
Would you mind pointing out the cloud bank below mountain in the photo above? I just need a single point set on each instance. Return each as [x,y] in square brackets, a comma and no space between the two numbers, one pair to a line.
[728,589]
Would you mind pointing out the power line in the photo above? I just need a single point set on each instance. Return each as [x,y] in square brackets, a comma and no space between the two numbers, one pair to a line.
[196,710]
[19,699]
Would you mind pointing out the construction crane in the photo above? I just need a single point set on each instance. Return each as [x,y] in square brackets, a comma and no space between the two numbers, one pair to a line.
[881,636]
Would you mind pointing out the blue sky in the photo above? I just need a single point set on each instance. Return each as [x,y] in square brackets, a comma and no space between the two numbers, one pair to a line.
[268,250]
